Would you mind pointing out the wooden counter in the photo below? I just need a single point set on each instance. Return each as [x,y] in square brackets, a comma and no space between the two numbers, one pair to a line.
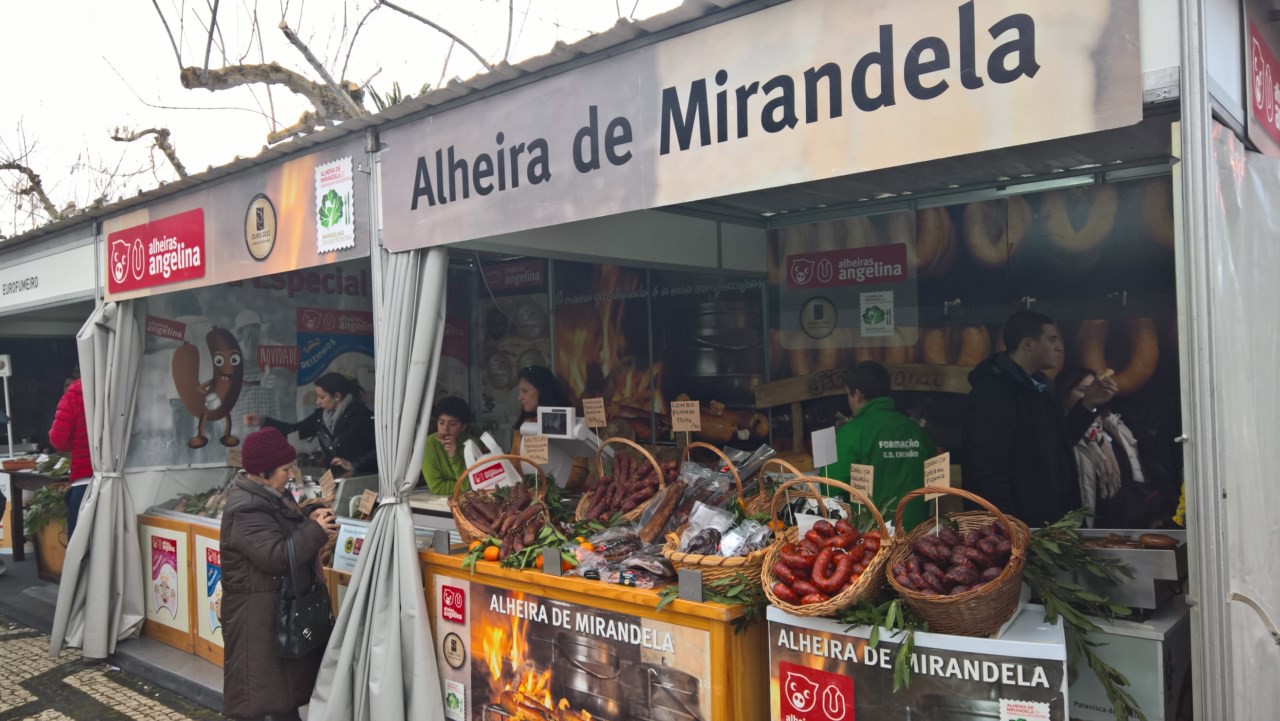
[501,629]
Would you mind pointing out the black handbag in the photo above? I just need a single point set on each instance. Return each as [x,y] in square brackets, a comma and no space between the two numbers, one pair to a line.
[304,619]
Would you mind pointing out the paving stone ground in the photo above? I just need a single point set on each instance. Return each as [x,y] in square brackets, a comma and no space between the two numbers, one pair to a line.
[34,686]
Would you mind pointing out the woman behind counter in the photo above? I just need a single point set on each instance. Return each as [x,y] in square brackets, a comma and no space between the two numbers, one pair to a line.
[538,386]
[341,422]
[260,516]
[443,461]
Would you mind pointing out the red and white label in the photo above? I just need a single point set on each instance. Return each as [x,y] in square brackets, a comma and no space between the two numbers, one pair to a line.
[488,476]
[279,356]
[168,250]
[453,604]
[515,275]
[335,322]
[213,557]
[873,265]
[164,545]
[810,694]
[165,328]
[1264,84]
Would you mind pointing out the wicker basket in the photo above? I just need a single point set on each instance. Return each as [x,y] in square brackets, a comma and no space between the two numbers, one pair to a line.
[714,567]
[868,587]
[635,513]
[466,529]
[762,502]
[983,610]
[733,470]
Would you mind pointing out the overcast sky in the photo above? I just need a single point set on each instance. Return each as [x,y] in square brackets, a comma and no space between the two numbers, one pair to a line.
[75,69]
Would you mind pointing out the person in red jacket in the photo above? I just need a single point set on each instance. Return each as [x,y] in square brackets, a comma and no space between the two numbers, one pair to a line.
[70,434]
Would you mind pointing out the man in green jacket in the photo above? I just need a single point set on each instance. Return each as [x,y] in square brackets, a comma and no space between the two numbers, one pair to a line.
[881,437]
[443,460]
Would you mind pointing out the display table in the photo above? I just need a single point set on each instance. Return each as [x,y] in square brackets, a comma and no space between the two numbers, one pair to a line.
[1154,654]
[165,546]
[20,481]
[512,642]
[822,672]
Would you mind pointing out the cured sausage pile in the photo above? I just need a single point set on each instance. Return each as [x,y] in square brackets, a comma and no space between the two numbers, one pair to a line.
[631,484]
[829,559]
[945,564]
[516,521]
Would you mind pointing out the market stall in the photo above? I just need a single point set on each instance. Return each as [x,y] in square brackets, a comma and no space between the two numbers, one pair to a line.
[239,296]
[796,248]
[47,290]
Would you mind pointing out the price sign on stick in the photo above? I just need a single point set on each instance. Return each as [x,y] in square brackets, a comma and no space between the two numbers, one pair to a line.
[686,416]
[593,408]
[863,479]
[367,499]
[327,486]
[535,449]
[937,474]
[233,457]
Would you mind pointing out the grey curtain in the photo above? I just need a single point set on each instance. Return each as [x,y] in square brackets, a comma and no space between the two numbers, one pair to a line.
[381,661]
[100,599]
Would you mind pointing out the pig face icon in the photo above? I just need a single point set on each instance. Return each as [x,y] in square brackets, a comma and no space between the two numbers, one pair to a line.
[801,271]
[801,692]
[120,260]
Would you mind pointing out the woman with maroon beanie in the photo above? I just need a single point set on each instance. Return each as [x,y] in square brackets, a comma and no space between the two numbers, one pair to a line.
[261,514]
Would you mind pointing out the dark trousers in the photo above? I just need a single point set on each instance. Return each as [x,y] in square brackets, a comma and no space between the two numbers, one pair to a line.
[75,495]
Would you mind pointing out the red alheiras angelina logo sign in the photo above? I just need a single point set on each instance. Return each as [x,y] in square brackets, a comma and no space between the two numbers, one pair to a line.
[163,251]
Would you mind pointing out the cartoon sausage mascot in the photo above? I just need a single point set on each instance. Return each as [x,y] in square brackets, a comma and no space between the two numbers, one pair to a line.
[214,399]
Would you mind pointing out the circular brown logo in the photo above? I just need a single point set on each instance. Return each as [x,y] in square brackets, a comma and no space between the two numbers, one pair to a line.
[260,227]
[455,651]
[818,318]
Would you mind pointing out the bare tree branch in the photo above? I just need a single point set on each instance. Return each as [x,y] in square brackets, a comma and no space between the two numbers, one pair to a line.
[355,35]
[172,42]
[213,26]
[162,143]
[444,67]
[320,96]
[306,123]
[511,24]
[35,187]
[353,109]
[441,29]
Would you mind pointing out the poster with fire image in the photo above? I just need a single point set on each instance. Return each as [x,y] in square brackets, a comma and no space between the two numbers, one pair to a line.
[511,656]
[821,672]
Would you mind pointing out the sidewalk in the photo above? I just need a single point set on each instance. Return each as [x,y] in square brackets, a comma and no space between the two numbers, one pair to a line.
[30,601]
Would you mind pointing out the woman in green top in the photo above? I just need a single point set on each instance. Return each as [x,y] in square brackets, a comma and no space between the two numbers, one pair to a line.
[443,461]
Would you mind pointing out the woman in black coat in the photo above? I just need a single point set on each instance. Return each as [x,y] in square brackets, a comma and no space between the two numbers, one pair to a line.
[261,515]
[342,424]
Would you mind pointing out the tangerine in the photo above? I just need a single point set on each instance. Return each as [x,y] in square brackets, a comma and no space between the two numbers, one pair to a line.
[474,545]
[537,563]
[491,553]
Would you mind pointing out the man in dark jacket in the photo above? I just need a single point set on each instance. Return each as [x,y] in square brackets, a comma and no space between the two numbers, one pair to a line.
[1017,442]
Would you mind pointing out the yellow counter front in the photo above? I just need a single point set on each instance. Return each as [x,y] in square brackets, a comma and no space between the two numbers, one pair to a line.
[524,644]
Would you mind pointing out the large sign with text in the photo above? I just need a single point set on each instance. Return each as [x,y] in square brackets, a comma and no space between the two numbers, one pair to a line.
[801,91]
[261,224]
[822,670]
[63,275]
[507,654]
[162,251]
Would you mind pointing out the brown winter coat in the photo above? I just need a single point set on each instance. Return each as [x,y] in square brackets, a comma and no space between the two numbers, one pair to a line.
[255,524]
